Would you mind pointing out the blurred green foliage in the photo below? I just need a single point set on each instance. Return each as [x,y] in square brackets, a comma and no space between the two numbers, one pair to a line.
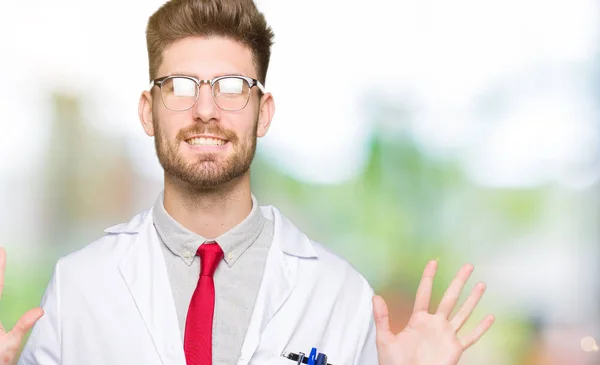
[404,208]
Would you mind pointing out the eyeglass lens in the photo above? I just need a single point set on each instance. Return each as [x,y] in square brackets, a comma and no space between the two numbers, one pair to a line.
[180,93]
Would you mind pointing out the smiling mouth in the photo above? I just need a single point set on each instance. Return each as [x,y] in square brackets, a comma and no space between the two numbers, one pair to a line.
[204,141]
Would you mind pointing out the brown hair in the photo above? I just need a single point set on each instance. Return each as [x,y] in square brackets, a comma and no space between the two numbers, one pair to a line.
[239,20]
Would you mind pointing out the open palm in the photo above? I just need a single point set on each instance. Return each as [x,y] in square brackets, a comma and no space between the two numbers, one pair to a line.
[430,338]
[10,342]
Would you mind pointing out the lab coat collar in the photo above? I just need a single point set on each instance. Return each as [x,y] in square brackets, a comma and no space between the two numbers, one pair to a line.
[133,226]
[287,237]
[294,243]
[145,274]
[144,271]
[280,277]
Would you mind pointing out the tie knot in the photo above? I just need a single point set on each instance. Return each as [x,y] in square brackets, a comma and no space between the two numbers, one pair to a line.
[210,256]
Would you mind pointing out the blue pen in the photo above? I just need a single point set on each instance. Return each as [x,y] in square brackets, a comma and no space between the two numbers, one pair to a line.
[321,359]
[312,356]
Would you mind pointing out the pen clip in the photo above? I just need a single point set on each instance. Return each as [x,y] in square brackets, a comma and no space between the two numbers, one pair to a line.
[300,358]
[321,359]
[312,356]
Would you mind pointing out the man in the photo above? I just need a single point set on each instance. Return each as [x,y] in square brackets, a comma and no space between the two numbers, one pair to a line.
[207,276]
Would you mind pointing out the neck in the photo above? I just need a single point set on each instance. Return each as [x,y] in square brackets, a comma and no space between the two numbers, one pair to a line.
[208,212]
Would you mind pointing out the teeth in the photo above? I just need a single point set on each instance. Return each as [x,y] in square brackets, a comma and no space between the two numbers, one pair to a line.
[206,142]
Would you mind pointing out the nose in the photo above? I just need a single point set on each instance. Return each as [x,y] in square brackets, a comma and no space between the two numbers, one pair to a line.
[205,108]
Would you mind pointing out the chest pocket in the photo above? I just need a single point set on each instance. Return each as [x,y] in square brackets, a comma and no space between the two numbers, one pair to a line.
[271,360]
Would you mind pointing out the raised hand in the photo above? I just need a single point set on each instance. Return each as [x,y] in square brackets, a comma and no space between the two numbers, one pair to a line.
[10,342]
[430,339]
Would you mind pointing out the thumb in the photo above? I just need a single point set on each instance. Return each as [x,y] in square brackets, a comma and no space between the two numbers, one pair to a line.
[26,321]
[380,312]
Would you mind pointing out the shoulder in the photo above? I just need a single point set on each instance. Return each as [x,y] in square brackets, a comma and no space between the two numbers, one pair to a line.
[109,248]
[325,265]
[338,270]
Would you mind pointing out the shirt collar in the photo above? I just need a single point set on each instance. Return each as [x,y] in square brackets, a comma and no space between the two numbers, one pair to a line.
[184,243]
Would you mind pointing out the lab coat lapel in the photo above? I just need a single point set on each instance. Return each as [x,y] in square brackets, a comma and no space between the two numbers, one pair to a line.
[279,278]
[145,273]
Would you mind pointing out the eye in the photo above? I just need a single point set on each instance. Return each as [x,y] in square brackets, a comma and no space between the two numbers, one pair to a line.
[231,86]
[180,86]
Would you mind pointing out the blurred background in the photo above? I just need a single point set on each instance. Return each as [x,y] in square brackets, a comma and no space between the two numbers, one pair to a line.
[466,131]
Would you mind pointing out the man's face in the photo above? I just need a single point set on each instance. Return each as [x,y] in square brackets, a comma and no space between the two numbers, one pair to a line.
[206,146]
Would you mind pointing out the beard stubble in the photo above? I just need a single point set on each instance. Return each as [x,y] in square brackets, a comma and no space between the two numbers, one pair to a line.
[208,171]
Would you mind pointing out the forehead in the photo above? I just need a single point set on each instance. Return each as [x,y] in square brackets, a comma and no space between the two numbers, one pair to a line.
[207,57]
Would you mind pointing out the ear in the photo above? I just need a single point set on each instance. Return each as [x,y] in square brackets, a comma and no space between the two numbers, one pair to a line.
[145,112]
[265,116]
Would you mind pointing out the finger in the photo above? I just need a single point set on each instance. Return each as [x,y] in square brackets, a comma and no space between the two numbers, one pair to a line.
[381,314]
[452,294]
[382,318]
[477,332]
[467,308]
[425,286]
[2,267]
[25,323]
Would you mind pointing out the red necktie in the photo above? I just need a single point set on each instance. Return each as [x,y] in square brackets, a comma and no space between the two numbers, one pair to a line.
[197,341]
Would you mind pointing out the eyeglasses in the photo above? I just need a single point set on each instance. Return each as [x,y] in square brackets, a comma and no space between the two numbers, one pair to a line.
[231,93]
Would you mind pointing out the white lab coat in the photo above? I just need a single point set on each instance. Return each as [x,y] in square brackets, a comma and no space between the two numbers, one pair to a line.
[110,303]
